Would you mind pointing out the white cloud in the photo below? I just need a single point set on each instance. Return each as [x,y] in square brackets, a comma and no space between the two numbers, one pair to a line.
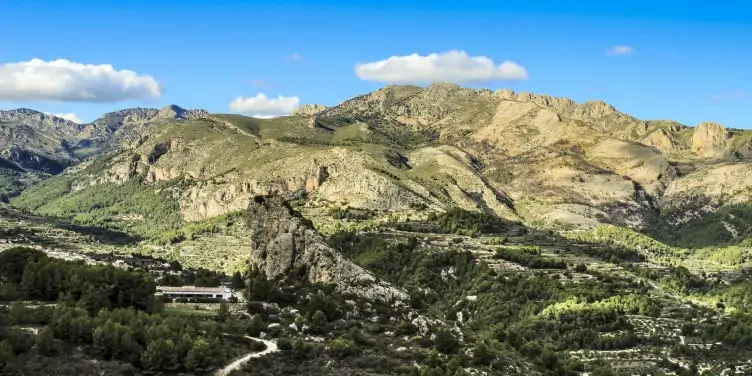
[261,106]
[736,94]
[451,66]
[70,116]
[620,51]
[65,81]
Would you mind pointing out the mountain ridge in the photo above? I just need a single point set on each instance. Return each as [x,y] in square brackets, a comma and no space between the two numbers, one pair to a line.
[522,156]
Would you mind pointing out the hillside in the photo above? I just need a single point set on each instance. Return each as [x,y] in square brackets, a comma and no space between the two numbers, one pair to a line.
[547,161]
[459,231]
[35,145]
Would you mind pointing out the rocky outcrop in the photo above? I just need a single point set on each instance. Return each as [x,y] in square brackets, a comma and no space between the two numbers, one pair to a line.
[309,110]
[710,140]
[39,120]
[661,140]
[284,244]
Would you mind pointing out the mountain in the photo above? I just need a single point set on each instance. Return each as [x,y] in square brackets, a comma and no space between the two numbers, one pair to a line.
[34,145]
[412,230]
[535,158]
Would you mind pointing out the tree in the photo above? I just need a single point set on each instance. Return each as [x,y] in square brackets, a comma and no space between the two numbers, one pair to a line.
[47,344]
[433,358]
[302,350]
[257,326]
[318,322]
[687,329]
[324,303]
[224,312]
[160,355]
[285,345]
[172,280]
[445,342]
[200,358]
[482,355]
[7,358]
[106,339]
[13,262]
[237,282]
[18,313]
[342,348]
[175,266]
[207,278]
[259,287]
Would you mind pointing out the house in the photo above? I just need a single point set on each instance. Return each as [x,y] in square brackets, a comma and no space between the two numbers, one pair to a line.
[195,292]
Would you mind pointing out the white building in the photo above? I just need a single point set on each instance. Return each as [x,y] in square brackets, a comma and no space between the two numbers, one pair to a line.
[195,292]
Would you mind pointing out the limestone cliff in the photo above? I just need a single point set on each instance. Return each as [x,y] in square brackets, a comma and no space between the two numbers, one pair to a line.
[309,110]
[710,140]
[283,241]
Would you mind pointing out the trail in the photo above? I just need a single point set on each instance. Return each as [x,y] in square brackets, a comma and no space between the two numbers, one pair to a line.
[236,364]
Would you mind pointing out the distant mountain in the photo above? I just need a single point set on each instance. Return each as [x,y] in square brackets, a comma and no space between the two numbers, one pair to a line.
[34,144]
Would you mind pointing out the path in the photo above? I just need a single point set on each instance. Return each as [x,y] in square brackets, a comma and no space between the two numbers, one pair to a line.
[236,364]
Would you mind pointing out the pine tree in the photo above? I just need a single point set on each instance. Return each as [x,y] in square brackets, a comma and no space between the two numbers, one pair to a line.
[224,312]
[318,322]
[47,344]
[7,358]
[160,355]
[257,326]
[200,358]
[237,281]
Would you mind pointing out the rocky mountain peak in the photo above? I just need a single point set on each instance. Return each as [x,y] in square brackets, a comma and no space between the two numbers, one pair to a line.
[283,241]
[171,112]
[142,115]
[176,112]
[36,118]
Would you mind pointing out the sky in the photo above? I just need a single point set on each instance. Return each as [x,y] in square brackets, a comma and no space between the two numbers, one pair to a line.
[687,61]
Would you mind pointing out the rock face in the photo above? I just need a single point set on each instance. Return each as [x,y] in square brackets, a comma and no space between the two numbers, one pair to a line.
[309,110]
[282,241]
[709,140]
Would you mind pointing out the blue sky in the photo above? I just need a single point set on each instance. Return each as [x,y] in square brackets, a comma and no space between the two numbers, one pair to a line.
[691,62]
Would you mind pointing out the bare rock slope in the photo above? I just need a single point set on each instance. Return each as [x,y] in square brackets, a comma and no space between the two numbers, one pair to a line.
[283,241]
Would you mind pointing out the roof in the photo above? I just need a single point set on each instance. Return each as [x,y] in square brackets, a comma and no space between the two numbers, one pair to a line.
[214,290]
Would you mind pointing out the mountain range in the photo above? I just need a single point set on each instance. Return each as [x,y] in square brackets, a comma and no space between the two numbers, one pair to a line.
[541,160]
[434,230]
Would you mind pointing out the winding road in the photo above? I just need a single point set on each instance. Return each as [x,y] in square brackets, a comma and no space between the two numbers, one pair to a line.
[237,363]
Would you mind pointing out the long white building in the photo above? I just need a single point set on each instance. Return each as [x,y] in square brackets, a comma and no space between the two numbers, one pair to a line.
[195,292]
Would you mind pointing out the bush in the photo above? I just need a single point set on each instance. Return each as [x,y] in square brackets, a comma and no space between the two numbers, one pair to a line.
[446,343]
[342,348]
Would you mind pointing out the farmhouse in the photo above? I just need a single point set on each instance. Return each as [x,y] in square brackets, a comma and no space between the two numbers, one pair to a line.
[195,292]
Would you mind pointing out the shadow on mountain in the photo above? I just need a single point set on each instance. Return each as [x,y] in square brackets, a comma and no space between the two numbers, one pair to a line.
[94,233]
[730,225]
[101,235]
[388,249]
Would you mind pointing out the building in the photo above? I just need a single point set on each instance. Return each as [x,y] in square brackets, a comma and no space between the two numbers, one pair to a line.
[195,292]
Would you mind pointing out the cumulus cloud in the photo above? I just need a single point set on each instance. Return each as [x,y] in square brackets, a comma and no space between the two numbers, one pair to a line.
[66,81]
[736,94]
[264,107]
[452,66]
[70,116]
[620,51]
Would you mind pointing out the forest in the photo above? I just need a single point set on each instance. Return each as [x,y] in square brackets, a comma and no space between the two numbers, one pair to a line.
[105,312]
